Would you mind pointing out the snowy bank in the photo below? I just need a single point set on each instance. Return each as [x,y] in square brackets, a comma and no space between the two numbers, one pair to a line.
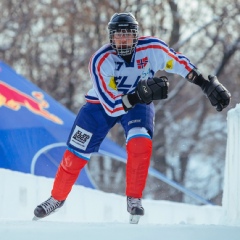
[20,193]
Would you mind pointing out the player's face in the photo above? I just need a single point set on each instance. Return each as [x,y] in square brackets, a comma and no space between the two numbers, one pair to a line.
[123,38]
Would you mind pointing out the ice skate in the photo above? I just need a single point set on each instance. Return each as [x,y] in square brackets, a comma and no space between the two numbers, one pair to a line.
[46,208]
[134,207]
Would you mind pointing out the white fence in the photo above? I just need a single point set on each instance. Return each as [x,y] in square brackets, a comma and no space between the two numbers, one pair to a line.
[231,190]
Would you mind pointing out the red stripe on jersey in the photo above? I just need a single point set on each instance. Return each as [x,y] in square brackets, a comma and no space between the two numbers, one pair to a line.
[90,64]
[93,101]
[166,51]
[114,110]
[101,77]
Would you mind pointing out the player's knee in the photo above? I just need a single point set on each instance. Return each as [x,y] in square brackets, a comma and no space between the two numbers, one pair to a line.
[138,132]
[71,162]
[140,146]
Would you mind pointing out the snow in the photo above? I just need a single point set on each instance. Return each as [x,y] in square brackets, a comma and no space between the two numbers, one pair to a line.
[92,214]
[27,230]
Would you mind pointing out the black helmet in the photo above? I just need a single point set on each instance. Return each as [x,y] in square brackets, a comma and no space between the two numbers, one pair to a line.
[124,23]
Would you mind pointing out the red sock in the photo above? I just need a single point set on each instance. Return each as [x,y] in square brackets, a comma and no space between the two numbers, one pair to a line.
[67,174]
[139,152]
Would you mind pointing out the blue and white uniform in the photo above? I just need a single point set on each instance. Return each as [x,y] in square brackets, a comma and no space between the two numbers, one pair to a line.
[113,77]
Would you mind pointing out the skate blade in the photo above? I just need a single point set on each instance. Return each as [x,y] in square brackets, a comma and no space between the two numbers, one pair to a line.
[134,219]
[35,218]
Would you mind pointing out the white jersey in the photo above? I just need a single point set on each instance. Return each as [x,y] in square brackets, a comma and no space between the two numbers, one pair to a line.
[112,76]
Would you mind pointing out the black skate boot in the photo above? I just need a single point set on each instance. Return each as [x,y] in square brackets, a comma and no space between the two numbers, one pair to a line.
[134,207]
[51,205]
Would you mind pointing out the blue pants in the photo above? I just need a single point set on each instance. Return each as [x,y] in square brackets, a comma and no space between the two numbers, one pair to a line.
[92,125]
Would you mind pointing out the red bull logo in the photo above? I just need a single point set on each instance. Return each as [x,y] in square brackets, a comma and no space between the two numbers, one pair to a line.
[14,99]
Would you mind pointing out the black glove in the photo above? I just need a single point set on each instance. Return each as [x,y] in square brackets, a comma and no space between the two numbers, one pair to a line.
[146,91]
[218,95]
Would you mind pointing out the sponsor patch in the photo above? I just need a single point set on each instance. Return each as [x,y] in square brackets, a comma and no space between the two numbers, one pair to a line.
[80,138]
[169,64]
[134,121]
[112,83]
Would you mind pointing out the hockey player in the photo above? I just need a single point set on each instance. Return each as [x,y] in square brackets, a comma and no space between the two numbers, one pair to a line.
[124,87]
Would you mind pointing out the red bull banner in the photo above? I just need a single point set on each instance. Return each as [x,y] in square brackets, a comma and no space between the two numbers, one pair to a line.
[33,128]
[14,99]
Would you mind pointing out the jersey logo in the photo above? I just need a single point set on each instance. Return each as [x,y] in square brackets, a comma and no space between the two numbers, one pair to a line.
[169,64]
[141,63]
[112,83]
[122,85]
[146,72]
